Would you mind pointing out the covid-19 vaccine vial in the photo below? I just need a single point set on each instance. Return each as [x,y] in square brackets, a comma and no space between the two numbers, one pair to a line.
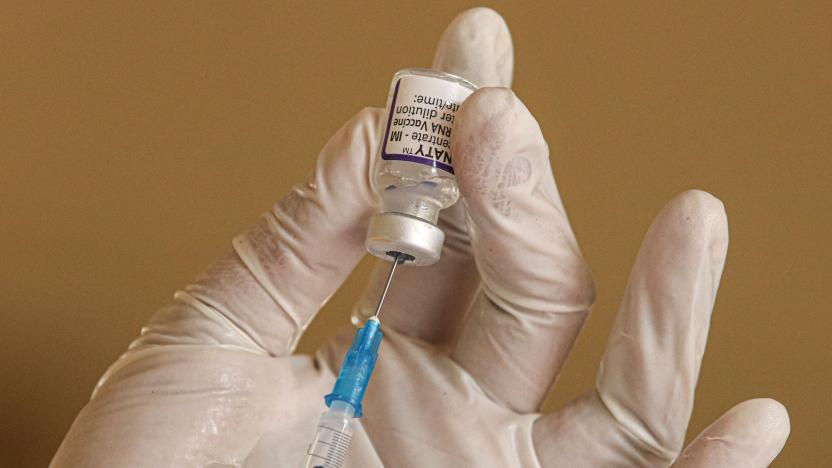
[414,170]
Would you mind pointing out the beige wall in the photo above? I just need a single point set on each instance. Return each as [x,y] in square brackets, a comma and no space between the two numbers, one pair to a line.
[135,140]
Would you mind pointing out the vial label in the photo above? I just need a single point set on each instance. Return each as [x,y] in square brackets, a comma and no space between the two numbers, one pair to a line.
[420,121]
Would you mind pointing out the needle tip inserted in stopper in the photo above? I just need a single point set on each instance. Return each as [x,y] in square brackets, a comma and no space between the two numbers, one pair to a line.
[398,258]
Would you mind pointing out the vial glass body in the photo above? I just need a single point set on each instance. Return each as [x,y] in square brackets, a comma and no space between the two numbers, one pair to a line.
[414,168]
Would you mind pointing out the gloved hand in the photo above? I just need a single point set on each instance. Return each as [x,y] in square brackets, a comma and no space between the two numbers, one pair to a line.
[472,344]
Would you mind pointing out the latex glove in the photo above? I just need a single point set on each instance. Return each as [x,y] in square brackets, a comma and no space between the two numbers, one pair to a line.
[212,380]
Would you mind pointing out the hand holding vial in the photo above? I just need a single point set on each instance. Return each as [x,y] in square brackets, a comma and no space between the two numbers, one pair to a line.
[472,342]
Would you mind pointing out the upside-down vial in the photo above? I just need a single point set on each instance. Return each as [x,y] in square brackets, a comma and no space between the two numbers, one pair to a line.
[414,171]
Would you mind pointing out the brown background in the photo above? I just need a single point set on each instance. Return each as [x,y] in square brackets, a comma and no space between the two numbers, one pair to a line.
[137,138]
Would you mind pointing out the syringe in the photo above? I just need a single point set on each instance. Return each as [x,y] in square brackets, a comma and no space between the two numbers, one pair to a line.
[334,433]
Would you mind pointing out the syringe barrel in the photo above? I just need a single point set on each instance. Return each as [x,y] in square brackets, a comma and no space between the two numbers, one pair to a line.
[332,437]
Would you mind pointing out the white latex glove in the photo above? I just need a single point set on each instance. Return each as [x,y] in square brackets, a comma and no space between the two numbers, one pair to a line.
[472,344]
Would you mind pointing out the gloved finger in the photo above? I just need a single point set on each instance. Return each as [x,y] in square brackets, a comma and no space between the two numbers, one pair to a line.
[649,371]
[283,269]
[429,302]
[536,289]
[585,433]
[749,435]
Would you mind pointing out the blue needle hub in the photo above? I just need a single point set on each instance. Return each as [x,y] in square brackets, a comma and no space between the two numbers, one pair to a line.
[357,367]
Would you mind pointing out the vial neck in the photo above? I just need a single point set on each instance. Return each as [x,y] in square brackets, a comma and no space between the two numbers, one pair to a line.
[400,201]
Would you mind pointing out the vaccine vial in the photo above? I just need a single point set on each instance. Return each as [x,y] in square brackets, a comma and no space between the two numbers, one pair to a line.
[414,171]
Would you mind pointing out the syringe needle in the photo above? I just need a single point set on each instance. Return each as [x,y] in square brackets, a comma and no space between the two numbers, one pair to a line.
[329,447]
[397,258]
